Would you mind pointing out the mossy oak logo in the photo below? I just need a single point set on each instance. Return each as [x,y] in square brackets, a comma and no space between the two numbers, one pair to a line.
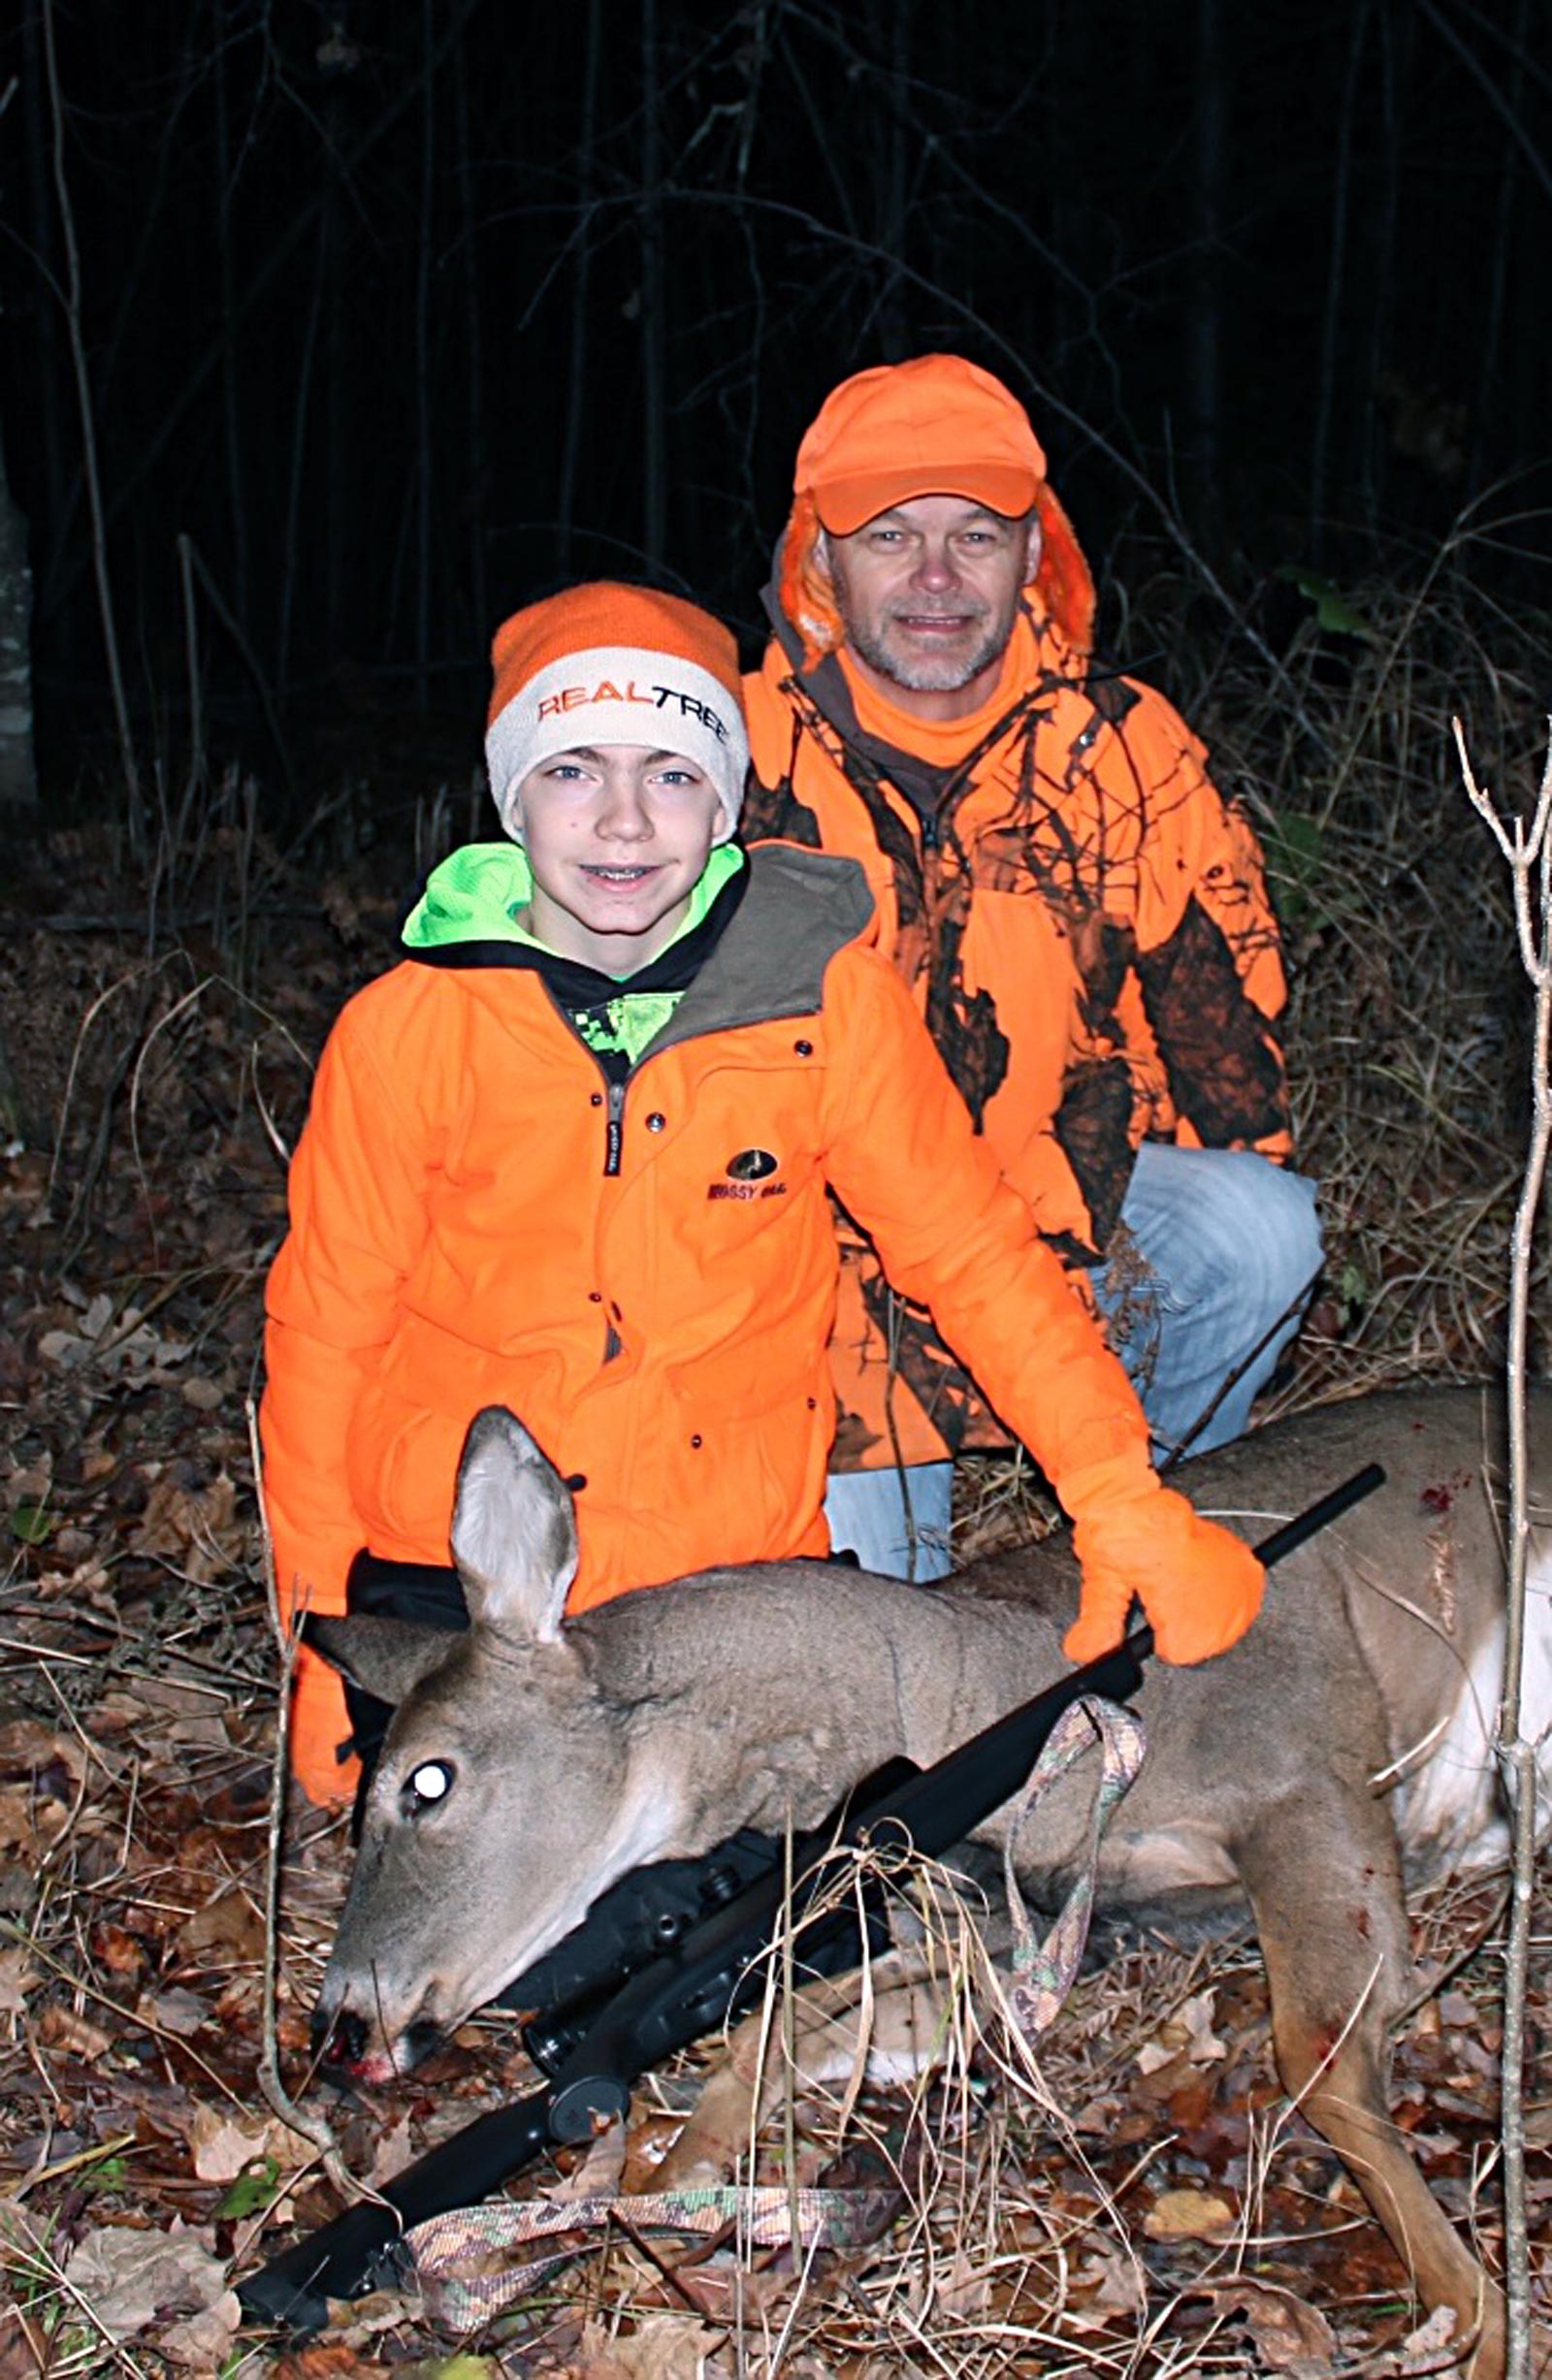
[749,1176]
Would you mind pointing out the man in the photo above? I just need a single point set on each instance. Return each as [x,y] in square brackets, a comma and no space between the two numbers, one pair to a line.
[1083,921]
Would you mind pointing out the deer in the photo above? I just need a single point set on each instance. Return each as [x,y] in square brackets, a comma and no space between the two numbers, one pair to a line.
[1338,1755]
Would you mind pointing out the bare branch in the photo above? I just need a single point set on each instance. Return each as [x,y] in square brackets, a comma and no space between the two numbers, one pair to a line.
[1527,853]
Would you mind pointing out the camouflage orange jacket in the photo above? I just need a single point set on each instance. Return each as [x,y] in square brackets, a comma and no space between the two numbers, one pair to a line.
[1086,927]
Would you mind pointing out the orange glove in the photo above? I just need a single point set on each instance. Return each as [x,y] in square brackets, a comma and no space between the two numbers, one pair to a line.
[319,1725]
[1199,1584]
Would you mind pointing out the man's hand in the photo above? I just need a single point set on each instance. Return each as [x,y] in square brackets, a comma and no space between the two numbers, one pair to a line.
[1199,1585]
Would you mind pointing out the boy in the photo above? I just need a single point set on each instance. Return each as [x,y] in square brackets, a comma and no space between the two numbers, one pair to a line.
[573,1156]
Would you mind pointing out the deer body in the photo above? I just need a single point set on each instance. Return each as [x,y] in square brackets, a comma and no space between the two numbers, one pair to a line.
[1340,1748]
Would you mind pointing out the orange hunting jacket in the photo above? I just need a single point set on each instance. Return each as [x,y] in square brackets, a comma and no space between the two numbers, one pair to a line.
[647,1280]
[1084,923]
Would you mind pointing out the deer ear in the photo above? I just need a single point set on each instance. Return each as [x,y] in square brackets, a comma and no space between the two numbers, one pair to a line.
[385,1658]
[514,1530]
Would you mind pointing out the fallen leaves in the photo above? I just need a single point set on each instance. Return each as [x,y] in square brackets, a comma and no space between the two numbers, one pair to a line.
[118,1347]
[227,1925]
[23,2346]
[64,2028]
[1188,2214]
[664,2347]
[1188,2034]
[19,1976]
[179,2012]
[195,1527]
[1108,2281]
[130,2279]
[31,1749]
[456,2367]
[1287,2334]
[225,2143]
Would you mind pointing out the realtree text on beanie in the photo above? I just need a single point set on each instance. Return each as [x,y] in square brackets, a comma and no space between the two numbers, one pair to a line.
[606,663]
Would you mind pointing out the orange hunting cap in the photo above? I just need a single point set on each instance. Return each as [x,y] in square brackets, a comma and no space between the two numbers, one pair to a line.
[937,426]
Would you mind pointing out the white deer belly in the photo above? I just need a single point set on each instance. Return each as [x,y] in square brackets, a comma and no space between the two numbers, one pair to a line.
[1450,1809]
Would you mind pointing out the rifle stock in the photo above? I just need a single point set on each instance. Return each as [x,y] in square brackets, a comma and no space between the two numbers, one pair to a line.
[345,2257]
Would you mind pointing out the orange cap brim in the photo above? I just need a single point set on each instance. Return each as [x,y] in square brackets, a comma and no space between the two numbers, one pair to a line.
[846,504]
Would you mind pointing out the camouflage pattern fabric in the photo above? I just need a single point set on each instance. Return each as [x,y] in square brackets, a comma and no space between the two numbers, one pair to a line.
[1043,1972]
[461,2260]
[1085,924]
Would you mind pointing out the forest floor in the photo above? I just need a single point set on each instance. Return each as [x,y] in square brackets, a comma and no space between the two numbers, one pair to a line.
[1150,2207]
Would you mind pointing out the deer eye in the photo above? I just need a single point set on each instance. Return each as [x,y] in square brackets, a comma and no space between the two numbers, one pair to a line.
[430,1781]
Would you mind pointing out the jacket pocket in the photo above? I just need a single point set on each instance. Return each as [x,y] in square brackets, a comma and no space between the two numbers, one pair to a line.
[755,1472]
[404,1472]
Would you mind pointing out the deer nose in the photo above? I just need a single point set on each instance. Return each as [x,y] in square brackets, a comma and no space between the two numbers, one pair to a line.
[341,2041]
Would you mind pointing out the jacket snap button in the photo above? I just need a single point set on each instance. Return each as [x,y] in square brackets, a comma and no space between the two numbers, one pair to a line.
[804,1050]
[695,1440]
[594,1296]
[596,1100]
[655,1121]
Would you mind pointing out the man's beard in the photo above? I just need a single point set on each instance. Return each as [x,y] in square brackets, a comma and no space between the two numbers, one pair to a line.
[930,673]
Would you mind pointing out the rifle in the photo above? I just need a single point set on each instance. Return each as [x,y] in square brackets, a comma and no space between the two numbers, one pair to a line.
[628,2019]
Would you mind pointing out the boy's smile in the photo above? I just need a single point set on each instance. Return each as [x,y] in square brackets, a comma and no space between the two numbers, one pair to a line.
[617,836]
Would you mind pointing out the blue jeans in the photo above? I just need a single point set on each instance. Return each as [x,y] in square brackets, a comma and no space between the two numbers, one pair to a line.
[866,1514]
[1207,1277]
[1205,1283]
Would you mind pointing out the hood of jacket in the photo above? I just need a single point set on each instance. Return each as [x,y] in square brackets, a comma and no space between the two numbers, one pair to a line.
[770,922]
[478,893]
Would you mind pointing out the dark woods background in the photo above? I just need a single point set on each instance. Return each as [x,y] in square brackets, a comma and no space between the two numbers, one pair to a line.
[386,317]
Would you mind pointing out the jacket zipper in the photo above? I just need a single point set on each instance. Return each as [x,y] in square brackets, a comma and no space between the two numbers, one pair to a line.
[613,1138]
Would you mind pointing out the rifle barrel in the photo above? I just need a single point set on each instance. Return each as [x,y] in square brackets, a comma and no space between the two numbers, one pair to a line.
[1320,1513]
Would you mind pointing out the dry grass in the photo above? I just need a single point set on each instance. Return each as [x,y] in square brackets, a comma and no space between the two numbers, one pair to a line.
[1408,1028]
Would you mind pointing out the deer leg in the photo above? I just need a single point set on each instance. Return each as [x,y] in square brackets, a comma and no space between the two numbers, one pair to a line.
[905,2035]
[1324,1881]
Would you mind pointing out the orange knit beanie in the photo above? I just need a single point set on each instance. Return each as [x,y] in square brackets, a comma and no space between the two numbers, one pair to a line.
[606,663]
[937,426]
